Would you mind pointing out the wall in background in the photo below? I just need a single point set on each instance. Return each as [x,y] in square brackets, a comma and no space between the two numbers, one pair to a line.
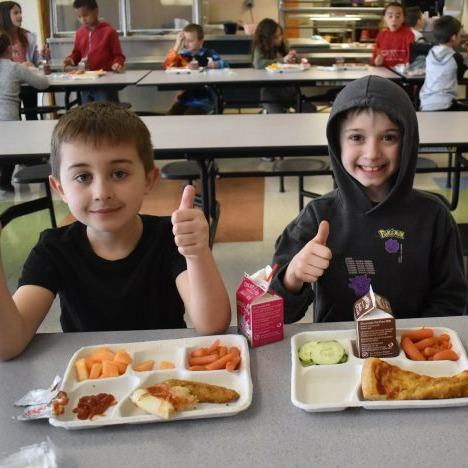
[30,10]
[235,10]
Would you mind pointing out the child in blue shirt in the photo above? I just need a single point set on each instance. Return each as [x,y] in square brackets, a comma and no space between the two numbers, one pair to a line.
[188,51]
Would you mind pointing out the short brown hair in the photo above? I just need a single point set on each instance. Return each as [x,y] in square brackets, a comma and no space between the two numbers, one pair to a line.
[445,27]
[196,28]
[99,123]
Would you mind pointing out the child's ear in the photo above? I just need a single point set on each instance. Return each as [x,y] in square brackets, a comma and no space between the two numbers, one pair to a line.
[151,177]
[57,187]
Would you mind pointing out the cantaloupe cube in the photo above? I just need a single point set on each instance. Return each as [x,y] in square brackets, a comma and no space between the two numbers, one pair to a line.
[96,370]
[121,366]
[123,356]
[82,372]
[144,366]
[110,369]
[163,365]
[103,354]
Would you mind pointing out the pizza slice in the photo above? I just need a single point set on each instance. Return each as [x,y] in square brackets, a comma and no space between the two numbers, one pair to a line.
[171,396]
[163,400]
[383,381]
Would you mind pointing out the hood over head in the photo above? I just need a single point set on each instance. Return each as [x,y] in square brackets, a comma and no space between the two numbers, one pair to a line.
[383,95]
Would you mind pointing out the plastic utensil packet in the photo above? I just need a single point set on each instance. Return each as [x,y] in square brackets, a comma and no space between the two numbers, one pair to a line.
[37,403]
[41,455]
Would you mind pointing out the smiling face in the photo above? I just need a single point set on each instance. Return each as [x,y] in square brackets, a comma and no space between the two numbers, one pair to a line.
[87,17]
[394,17]
[103,187]
[16,16]
[191,41]
[370,150]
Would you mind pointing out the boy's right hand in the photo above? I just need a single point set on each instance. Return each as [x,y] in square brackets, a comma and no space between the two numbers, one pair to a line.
[378,61]
[310,263]
[179,42]
[190,227]
[68,62]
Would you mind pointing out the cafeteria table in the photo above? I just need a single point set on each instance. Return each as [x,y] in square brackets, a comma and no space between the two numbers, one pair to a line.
[67,83]
[204,138]
[272,432]
[242,78]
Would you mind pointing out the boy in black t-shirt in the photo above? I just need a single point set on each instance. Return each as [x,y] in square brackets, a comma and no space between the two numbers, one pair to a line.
[113,268]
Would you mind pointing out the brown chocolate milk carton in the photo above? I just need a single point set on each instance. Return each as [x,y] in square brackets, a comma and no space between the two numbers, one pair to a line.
[259,310]
[375,326]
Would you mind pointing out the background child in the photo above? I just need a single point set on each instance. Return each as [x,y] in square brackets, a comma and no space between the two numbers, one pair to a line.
[374,228]
[24,44]
[444,68]
[415,20]
[113,268]
[188,51]
[97,46]
[392,44]
[269,46]
[12,75]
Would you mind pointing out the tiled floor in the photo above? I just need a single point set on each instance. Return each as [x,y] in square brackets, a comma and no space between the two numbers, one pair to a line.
[233,258]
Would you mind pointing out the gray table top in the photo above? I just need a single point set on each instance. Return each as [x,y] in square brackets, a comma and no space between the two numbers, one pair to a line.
[251,76]
[272,432]
[232,135]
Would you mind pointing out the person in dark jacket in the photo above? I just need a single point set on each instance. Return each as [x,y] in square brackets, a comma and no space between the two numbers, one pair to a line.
[374,228]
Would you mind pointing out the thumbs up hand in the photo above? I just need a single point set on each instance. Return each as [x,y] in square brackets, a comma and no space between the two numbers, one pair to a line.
[310,263]
[189,226]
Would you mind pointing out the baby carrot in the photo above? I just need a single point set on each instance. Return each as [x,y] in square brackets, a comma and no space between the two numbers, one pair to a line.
[429,352]
[197,368]
[214,347]
[432,341]
[221,362]
[411,351]
[446,354]
[222,351]
[232,365]
[199,352]
[418,335]
[202,360]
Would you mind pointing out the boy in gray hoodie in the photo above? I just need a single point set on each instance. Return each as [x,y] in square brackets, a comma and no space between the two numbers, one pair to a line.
[374,228]
[444,68]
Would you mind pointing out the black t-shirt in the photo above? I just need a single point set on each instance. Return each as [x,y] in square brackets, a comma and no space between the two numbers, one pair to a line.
[134,293]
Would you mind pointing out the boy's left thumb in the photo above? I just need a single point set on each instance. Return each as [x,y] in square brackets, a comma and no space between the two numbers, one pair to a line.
[188,197]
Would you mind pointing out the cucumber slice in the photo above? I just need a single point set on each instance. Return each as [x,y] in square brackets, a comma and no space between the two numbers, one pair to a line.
[322,353]
[305,352]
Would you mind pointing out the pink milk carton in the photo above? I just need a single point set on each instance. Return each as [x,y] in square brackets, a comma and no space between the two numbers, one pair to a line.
[375,326]
[259,310]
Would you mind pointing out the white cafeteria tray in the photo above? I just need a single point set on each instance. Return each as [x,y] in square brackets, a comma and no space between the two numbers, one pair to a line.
[182,70]
[288,68]
[176,351]
[338,386]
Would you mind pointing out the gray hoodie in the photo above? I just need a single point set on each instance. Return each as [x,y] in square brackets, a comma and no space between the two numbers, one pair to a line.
[407,245]
[444,68]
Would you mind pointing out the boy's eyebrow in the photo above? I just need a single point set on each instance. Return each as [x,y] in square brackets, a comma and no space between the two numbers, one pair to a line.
[114,161]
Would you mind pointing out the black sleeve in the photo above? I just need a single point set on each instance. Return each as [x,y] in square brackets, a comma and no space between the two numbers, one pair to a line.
[461,66]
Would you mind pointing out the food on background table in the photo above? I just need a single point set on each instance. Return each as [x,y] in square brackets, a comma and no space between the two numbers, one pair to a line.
[424,345]
[171,396]
[383,381]
[94,405]
[322,353]
[215,357]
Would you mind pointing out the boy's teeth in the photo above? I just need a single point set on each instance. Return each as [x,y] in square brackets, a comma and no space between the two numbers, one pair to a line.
[367,168]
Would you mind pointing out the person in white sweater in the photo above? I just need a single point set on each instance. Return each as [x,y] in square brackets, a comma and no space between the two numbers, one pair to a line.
[12,76]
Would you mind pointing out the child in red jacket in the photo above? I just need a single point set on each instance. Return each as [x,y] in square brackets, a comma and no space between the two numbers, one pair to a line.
[392,44]
[97,47]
